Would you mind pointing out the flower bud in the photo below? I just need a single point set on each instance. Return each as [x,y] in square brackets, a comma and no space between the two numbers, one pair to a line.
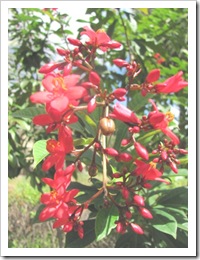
[153,75]
[113,44]
[137,229]
[120,63]
[120,92]
[145,213]
[117,175]
[80,166]
[125,193]
[97,146]
[141,151]
[173,167]
[92,105]
[94,78]
[155,160]
[144,92]
[107,126]
[125,157]
[47,68]
[136,129]
[128,214]
[62,52]
[120,228]
[164,155]
[183,151]
[125,142]
[111,152]
[147,185]
[138,200]
[67,69]
[75,42]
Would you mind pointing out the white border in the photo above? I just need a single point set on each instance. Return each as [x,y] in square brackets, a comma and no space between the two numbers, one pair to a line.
[191,250]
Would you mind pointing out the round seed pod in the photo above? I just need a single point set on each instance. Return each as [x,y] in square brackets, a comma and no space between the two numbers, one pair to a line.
[107,126]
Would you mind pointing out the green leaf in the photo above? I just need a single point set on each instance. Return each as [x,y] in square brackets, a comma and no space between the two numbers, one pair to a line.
[105,221]
[28,112]
[131,240]
[83,141]
[176,198]
[90,125]
[164,222]
[39,151]
[74,241]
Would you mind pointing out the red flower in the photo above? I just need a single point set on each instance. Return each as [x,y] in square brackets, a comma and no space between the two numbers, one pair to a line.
[160,121]
[100,39]
[124,114]
[147,171]
[58,199]
[58,149]
[172,84]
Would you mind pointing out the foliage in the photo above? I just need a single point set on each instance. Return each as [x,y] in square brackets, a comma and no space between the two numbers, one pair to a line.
[143,34]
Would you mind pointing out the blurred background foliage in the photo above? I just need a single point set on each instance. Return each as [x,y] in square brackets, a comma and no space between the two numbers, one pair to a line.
[34,35]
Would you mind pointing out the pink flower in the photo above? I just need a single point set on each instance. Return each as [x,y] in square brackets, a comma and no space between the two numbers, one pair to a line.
[61,92]
[124,114]
[172,84]
[99,39]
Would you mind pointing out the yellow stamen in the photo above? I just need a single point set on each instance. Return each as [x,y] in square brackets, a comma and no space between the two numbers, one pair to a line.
[152,165]
[59,83]
[100,31]
[169,116]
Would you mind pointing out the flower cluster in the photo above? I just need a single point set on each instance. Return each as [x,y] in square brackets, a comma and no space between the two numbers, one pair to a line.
[65,94]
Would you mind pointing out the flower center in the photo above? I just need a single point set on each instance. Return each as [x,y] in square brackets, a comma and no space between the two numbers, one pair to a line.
[59,84]
[100,31]
[152,165]
[169,116]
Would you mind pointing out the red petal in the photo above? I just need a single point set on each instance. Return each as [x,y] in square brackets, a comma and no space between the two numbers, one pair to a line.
[41,97]
[153,75]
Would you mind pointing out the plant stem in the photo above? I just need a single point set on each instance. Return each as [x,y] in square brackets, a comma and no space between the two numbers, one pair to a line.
[104,157]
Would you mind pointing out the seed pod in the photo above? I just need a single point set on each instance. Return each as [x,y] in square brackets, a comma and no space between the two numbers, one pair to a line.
[93,170]
[107,126]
